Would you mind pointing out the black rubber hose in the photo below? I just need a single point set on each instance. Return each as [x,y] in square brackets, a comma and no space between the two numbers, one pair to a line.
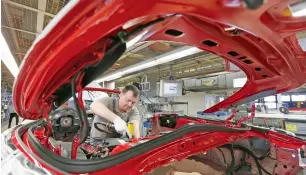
[231,168]
[254,157]
[105,124]
[222,156]
[84,130]
[86,166]
[264,156]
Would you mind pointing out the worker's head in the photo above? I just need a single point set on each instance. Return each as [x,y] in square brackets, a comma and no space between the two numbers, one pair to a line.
[128,98]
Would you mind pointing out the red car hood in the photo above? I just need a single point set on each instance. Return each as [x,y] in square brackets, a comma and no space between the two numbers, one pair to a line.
[265,46]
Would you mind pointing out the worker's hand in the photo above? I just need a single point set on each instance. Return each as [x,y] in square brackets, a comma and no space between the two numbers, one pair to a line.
[120,125]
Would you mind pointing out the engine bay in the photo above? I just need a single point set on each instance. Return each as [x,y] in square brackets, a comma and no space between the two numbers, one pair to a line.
[249,155]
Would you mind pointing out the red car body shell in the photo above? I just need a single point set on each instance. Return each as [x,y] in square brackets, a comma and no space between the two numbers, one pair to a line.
[265,48]
[186,146]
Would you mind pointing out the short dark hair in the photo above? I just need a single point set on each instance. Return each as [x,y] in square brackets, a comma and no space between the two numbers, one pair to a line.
[132,88]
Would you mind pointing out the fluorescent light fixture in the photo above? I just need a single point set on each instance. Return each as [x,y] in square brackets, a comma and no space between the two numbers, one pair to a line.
[174,55]
[298,9]
[110,77]
[178,55]
[135,39]
[239,82]
[139,67]
[8,58]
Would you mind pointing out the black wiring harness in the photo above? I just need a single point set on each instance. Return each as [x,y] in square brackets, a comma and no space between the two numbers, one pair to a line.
[232,168]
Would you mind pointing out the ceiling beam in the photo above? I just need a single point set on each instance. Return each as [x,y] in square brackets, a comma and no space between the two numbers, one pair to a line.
[20,30]
[42,4]
[163,73]
[17,53]
[133,50]
[190,75]
[9,20]
[29,8]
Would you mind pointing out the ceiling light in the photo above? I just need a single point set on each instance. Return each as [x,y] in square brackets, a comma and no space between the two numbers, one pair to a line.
[139,67]
[167,57]
[298,9]
[110,78]
[8,58]
[179,54]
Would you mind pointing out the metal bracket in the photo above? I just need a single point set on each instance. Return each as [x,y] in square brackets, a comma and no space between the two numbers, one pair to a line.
[248,117]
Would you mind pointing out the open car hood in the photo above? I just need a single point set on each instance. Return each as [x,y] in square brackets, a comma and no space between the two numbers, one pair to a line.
[81,37]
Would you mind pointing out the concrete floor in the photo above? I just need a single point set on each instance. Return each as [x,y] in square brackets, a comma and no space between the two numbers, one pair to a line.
[4,126]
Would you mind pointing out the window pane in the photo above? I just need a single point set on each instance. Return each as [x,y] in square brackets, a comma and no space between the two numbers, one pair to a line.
[270,98]
[285,97]
[298,97]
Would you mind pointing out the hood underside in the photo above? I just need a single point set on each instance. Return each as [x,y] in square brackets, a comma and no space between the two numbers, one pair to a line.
[85,36]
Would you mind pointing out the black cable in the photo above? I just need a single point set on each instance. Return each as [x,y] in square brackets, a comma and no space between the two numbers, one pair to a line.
[231,168]
[90,95]
[143,93]
[105,124]
[264,156]
[222,156]
[84,126]
[243,162]
[144,105]
[254,157]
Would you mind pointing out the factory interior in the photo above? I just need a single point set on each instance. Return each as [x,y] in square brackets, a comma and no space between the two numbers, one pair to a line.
[178,85]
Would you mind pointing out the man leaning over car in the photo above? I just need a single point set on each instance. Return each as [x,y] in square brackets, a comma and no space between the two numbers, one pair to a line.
[118,111]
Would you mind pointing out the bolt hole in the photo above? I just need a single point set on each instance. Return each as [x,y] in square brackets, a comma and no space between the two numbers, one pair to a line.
[210,43]
[293,166]
[174,32]
[265,76]
[248,61]
[258,69]
[193,143]
[285,166]
[233,53]
[242,58]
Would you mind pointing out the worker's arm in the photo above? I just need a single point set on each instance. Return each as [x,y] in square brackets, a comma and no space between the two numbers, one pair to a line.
[99,108]
[135,119]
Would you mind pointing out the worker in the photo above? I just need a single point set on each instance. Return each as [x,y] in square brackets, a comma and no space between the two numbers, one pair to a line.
[13,114]
[118,111]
